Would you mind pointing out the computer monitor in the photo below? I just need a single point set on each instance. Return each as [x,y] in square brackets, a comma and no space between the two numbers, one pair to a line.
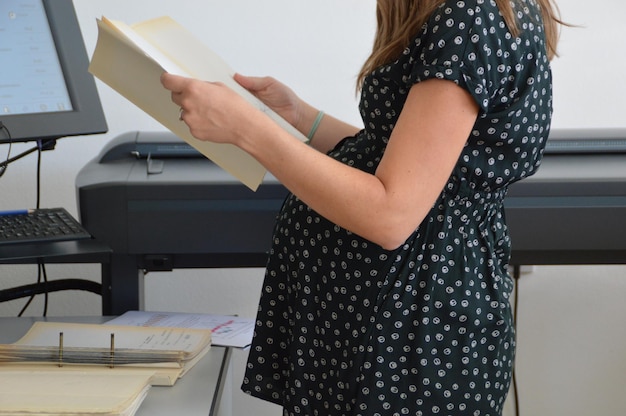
[46,91]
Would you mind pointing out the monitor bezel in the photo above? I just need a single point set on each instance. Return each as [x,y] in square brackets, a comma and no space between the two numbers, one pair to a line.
[87,116]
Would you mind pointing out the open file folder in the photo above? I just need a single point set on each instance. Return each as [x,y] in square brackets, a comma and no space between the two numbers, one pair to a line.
[131,59]
[92,369]
[165,354]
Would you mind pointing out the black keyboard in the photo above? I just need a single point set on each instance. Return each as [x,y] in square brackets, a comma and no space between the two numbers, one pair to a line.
[40,225]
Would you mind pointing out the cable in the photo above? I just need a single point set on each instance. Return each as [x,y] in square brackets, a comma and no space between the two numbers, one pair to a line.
[49,287]
[41,145]
[516,276]
[42,268]
[42,274]
[5,164]
[32,296]
[47,145]
[38,176]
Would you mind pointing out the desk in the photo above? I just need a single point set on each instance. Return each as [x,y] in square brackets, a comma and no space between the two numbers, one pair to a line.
[199,393]
[79,251]
[194,215]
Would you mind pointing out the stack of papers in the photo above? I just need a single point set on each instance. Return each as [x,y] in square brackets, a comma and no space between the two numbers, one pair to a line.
[226,330]
[83,369]
[42,392]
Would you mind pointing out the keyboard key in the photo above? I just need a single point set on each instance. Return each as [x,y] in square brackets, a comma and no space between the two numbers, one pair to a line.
[42,225]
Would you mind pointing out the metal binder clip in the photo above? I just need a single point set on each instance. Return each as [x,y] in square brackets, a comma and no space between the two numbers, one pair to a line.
[112,354]
[60,349]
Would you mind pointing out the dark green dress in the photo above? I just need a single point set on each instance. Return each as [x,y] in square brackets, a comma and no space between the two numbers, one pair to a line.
[347,328]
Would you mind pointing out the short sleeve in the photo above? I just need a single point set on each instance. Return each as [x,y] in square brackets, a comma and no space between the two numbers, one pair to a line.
[453,46]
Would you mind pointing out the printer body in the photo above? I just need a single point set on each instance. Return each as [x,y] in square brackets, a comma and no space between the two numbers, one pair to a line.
[185,205]
[160,205]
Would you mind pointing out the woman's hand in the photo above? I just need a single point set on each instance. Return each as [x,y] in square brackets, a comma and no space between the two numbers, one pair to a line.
[297,112]
[275,95]
[212,111]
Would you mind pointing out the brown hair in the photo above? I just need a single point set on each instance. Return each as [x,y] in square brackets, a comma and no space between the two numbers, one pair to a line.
[400,20]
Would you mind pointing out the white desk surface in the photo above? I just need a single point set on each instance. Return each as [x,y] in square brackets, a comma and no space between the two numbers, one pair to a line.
[197,393]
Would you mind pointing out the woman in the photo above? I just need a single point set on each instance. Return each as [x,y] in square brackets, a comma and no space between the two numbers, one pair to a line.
[386,290]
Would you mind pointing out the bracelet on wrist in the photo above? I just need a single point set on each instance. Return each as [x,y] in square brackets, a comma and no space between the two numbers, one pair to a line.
[315,125]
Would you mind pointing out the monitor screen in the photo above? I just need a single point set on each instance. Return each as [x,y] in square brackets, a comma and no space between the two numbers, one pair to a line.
[46,91]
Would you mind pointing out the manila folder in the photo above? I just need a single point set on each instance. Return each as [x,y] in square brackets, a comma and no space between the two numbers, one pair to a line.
[131,59]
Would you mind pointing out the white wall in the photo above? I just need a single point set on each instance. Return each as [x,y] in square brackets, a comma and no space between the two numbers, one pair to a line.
[572,341]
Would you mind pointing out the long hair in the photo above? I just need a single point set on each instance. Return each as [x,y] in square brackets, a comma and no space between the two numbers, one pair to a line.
[398,21]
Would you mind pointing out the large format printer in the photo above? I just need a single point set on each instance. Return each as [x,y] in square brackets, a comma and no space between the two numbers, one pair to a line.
[159,206]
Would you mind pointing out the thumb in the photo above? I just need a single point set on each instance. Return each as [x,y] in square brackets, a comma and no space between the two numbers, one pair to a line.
[252,84]
[174,83]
